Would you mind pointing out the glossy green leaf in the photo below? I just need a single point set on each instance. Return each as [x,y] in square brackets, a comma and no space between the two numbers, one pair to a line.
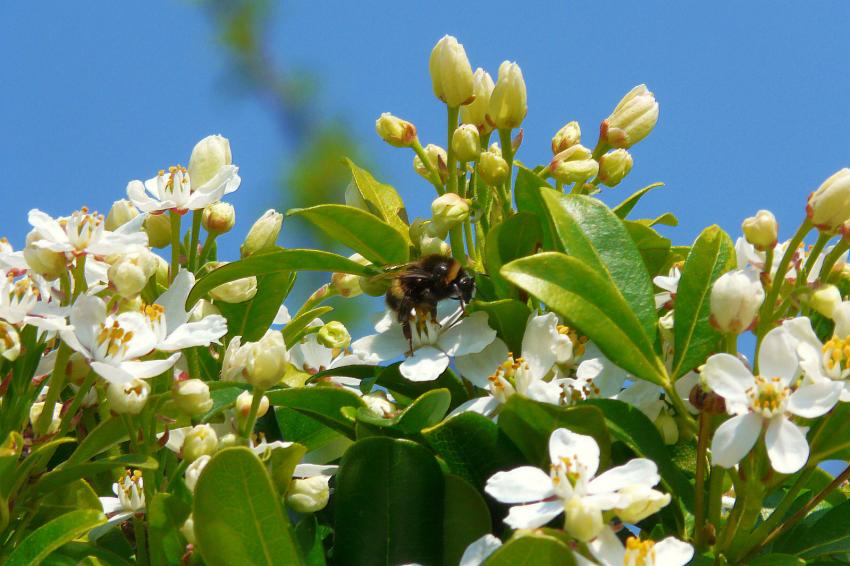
[384,201]
[166,514]
[653,247]
[389,505]
[624,208]
[827,536]
[591,304]
[527,193]
[321,403]
[50,536]
[250,319]
[507,317]
[61,476]
[77,494]
[427,410]
[711,255]
[364,233]
[466,518]
[774,559]
[828,439]
[391,378]
[517,236]
[77,552]
[294,329]
[309,538]
[532,550]
[104,436]
[274,261]
[237,514]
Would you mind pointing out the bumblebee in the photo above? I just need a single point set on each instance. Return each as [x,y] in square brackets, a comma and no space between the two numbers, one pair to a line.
[418,286]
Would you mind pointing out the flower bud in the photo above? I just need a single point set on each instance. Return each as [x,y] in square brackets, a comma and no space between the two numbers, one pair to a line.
[451,73]
[449,210]
[573,165]
[192,397]
[202,309]
[208,156]
[347,285]
[378,404]
[158,229]
[735,300]
[200,441]
[243,405]
[121,212]
[162,269]
[262,363]
[229,440]
[632,119]
[395,131]
[508,103]
[188,530]
[761,230]
[77,369]
[583,519]
[128,398]
[218,218]
[614,166]
[492,169]
[193,471]
[130,272]
[334,335]
[437,156]
[308,495]
[237,291]
[10,341]
[263,234]
[434,246]
[466,143]
[475,113]
[641,501]
[421,227]
[373,286]
[825,299]
[35,413]
[47,263]
[668,428]
[828,207]
[566,137]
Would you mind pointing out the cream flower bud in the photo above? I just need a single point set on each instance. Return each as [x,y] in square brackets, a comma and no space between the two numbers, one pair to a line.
[466,143]
[202,309]
[193,471]
[162,269]
[10,341]
[77,368]
[583,520]
[641,502]
[378,404]
[828,207]
[208,156]
[192,397]
[508,103]
[237,291]
[475,113]
[158,229]
[200,441]
[761,230]
[47,263]
[492,169]
[420,227]
[35,413]
[395,131]
[347,285]
[373,286]
[308,495]
[128,398]
[334,335]
[218,218]
[614,166]
[431,245]
[129,273]
[667,428]
[574,164]
[243,405]
[229,440]
[451,73]
[825,299]
[188,530]
[735,300]
[449,210]
[566,137]
[437,156]
[632,119]
[263,234]
[262,364]
[121,212]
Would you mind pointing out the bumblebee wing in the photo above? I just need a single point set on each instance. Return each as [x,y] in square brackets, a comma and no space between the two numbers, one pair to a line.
[408,271]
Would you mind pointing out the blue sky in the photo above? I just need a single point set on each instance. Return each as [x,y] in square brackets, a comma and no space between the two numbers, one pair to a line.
[755,96]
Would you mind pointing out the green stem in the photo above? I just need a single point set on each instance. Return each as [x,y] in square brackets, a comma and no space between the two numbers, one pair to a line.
[65,287]
[687,420]
[699,499]
[85,386]
[193,242]
[132,432]
[456,238]
[175,245]
[80,285]
[508,155]
[812,257]
[141,540]
[257,397]
[207,248]
[57,384]
[432,170]
[601,147]
[732,343]
[715,494]
[829,261]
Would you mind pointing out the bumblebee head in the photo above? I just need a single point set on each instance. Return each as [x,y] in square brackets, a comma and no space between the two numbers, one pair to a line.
[466,285]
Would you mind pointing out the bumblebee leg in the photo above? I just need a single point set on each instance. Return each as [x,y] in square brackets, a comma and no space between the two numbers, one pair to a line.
[433,314]
[460,299]
[405,328]
[420,320]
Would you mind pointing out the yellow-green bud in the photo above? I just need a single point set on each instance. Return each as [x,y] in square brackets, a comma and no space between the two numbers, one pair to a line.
[35,413]
[200,441]
[10,341]
[47,263]
[437,156]
[632,119]
[828,207]
[573,165]
[308,495]
[347,285]
[208,156]
[420,227]
[188,530]
[229,440]
[668,428]
[466,143]
[451,73]
[192,397]
[614,166]
[128,398]
[431,245]
[237,291]
[378,404]
[130,272]
[218,218]
[77,369]
[566,137]
[372,286]
[158,229]
[761,230]
[583,519]
[641,501]
[825,299]
[162,269]
[492,169]
[334,335]
[243,405]
[508,103]
[262,363]
[475,112]
[202,309]
[395,131]
[121,212]
[263,234]
[449,210]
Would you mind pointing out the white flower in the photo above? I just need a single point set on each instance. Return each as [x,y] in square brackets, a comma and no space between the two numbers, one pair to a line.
[172,190]
[609,551]
[571,487]
[767,401]
[82,233]
[262,364]
[824,362]
[748,256]
[193,471]
[477,552]
[669,284]
[432,348]
[28,300]
[130,497]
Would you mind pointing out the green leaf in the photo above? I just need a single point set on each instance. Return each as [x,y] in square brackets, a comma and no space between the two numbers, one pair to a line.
[364,233]
[624,208]
[774,559]
[527,192]
[518,236]
[166,514]
[828,439]
[592,304]
[250,319]
[653,247]
[50,536]
[309,538]
[532,550]
[274,261]
[631,427]
[666,219]
[529,424]
[384,201]
[321,403]
[466,518]
[427,410]
[303,429]
[389,505]
[827,536]
[391,378]
[507,317]
[237,514]
[101,438]
[62,475]
[587,230]
[294,329]
[72,496]
[711,255]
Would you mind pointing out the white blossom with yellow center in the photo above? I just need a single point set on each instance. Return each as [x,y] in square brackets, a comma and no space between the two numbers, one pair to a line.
[130,499]
[829,361]
[83,233]
[172,190]
[607,550]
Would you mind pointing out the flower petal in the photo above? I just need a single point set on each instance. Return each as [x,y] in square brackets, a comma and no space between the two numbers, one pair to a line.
[137,195]
[112,374]
[477,552]
[426,364]
[778,356]
[469,336]
[728,377]
[202,333]
[637,471]
[673,552]
[381,347]
[533,515]
[481,405]
[841,315]
[608,549]
[173,300]
[812,400]
[149,368]
[520,485]
[478,367]
[540,334]
[786,446]
[565,443]
[734,439]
